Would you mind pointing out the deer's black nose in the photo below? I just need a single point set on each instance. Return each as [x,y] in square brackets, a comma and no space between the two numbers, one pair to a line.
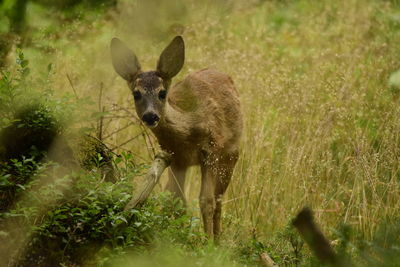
[150,118]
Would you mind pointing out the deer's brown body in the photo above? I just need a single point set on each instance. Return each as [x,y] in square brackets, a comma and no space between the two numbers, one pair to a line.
[202,115]
[198,121]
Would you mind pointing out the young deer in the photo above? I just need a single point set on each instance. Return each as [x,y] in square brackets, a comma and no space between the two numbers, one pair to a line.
[198,120]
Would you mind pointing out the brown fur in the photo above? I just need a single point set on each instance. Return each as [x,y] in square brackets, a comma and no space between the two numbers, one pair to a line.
[213,125]
[200,122]
[206,134]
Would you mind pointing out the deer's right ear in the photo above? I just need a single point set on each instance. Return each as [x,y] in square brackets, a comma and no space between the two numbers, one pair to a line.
[124,60]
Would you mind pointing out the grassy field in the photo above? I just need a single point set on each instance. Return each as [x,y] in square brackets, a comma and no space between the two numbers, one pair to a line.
[322,123]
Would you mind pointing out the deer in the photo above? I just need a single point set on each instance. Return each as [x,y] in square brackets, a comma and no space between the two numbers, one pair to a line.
[197,120]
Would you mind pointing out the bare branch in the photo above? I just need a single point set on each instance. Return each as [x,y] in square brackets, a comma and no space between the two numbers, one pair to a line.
[118,130]
[72,86]
[160,163]
[127,141]
[130,113]
[101,109]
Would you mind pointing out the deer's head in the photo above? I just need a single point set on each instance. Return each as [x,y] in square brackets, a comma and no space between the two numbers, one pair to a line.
[150,88]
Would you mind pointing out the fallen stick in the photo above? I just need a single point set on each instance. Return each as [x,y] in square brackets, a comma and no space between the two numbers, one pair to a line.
[161,162]
[315,239]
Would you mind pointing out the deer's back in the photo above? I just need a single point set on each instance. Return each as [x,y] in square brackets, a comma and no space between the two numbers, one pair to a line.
[212,102]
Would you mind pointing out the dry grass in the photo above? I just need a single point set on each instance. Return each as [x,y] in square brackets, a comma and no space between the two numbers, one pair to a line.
[321,125]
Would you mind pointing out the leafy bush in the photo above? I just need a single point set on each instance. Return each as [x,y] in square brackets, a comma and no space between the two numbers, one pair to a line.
[87,216]
[32,132]
[93,218]
[27,130]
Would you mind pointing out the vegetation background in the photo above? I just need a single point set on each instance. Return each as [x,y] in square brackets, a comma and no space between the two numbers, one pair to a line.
[319,86]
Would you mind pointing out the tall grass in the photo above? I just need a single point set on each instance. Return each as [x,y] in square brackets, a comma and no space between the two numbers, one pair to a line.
[321,123]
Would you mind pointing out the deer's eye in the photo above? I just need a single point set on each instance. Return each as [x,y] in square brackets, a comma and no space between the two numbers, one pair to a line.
[137,95]
[162,94]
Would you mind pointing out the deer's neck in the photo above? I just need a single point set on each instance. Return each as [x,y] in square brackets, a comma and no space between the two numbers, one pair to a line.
[175,125]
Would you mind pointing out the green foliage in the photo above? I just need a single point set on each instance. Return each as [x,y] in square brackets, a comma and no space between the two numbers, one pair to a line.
[89,217]
[382,250]
[21,92]
[16,10]
[31,134]
[249,251]
[286,248]
[13,90]
[319,90]
[296,244]
[27,129]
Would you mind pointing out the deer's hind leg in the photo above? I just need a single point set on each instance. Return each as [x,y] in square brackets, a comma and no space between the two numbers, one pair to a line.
[207,197]
[224,168]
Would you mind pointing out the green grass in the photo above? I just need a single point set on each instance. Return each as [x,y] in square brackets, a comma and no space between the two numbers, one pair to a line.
[322,122]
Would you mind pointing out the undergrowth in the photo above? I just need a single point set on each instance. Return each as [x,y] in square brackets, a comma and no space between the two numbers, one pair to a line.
[319,86]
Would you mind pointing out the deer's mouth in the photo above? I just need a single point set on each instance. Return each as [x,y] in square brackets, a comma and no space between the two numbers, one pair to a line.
[152,124]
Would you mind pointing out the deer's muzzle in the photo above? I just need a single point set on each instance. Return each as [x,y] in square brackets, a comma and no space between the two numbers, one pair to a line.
[150,119]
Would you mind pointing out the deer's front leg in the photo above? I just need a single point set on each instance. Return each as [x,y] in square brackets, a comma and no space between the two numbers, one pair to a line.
[207,198]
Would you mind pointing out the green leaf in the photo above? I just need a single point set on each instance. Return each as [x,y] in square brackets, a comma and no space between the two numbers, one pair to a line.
[24,63]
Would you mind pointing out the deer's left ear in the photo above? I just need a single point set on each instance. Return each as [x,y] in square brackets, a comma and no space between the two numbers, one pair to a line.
[172,59]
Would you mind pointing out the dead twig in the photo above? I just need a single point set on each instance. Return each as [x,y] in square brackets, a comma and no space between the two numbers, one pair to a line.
[160,163]
[127,141]
[130,152]
[72,86]
[129,112]
[102,110]
[118,130]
